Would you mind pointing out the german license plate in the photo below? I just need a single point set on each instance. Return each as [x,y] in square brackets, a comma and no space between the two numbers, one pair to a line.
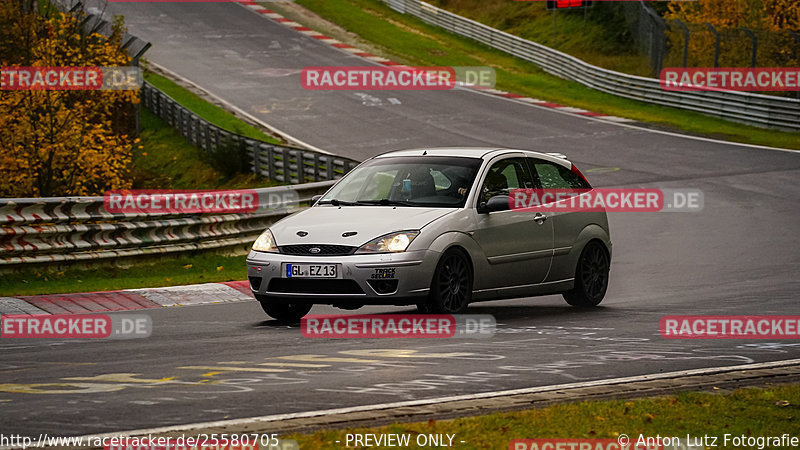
[311,271]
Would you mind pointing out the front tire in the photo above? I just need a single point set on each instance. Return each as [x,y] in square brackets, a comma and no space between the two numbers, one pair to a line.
[591,276]
[286,312]
[451,288]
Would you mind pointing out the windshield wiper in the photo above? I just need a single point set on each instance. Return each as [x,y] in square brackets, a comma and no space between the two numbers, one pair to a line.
[387,202]
[337,202]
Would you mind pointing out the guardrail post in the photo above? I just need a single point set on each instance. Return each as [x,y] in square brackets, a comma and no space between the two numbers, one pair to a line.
[755,45]
[255,150]
[287,177]
[301,166]
[716,44]
[271,162]
[316,167]
[329,173]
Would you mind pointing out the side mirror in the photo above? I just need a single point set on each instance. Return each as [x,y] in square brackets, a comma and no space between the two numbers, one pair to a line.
[315,199]
[496,203]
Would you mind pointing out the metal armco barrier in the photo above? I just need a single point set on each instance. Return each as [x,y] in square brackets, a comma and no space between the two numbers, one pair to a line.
[753,109]
[276,162]
[51,230]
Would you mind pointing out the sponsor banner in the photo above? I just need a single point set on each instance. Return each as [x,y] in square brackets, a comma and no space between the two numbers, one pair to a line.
[183,202]
[395,78]
[730,327]
[70,78]
[76,326]
[398,326]
[730,79]
[606,199]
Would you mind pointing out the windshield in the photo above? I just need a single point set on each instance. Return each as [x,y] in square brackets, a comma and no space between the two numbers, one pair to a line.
[430,181]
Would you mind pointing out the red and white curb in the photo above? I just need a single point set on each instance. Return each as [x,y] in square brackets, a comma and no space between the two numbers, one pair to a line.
[366,55]
[128,299]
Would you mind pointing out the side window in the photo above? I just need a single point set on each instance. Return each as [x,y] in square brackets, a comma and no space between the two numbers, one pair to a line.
[504,176]
[556,176]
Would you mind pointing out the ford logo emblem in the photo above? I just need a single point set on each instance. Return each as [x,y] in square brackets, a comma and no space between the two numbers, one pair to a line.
[314,250]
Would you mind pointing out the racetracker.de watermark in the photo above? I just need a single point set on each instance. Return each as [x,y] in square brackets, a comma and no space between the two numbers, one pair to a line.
[579,444]
[76,326]
[70,78]
[730,79]
[730,327]
[149,201]
[395,78]
[399,326]
[604,199]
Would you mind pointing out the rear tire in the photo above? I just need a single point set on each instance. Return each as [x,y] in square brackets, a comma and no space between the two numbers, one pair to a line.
[451,288]
[286,312]
[591,276]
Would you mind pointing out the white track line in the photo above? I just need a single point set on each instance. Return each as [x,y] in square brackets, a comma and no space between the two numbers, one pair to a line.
[432,401]
[604,119]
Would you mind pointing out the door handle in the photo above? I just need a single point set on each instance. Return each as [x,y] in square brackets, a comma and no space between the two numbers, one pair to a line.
[539,218]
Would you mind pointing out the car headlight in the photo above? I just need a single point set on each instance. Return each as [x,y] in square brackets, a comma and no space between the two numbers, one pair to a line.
[265,243]
[389,243]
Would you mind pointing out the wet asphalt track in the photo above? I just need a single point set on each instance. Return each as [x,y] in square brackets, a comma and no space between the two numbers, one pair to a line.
[737,256]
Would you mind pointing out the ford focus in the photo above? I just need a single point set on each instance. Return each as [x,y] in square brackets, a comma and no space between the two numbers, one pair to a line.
[435,228]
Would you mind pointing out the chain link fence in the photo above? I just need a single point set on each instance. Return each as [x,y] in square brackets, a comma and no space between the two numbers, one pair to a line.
[674,43]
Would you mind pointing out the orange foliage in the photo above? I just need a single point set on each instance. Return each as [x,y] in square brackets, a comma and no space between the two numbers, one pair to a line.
[769,15]
[60,143]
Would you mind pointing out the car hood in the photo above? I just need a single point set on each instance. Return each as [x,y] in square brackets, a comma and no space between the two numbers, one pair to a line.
[327,224]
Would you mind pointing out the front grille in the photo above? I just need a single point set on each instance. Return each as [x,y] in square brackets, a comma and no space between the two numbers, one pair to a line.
[324,250]
[311,286]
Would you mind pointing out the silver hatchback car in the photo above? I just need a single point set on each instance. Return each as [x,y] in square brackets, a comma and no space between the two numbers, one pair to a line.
[434,228]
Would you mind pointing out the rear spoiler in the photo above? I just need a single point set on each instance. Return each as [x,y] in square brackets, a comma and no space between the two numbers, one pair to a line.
[557,155]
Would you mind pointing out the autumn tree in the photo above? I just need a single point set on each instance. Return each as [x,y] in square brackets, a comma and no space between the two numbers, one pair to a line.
[769,15]
[60,143]
[770,20]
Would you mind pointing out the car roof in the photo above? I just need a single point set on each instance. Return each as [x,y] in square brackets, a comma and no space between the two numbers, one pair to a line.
[477,152]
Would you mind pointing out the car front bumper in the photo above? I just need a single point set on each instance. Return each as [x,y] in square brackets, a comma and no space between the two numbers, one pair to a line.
[386,278]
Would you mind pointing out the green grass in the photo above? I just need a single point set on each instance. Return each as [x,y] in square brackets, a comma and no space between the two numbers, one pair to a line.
[750,412]
[410,41]
[167,161]
[206,110]
[203,267]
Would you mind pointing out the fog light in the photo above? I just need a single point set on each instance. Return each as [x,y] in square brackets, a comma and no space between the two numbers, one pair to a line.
[383,286]
[255,283]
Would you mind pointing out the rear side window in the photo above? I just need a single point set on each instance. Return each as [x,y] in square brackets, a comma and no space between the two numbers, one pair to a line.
[556,176]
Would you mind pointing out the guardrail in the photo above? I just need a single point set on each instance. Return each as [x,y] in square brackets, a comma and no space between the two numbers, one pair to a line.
[276,162]
[70,229]
[753,109]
